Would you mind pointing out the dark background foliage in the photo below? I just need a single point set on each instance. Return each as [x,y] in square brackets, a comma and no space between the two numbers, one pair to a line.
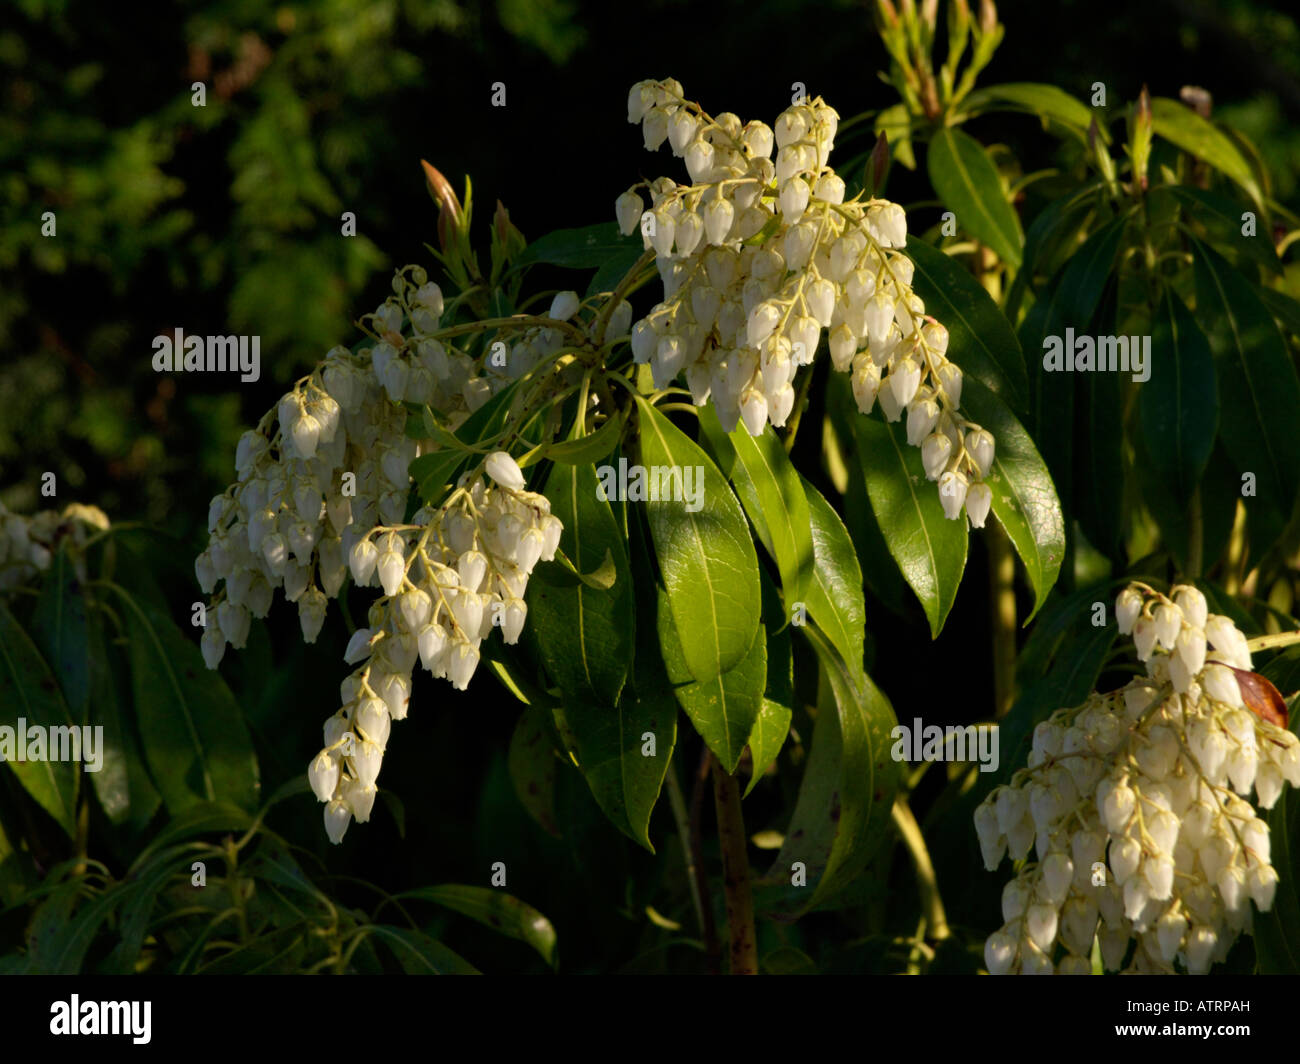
[226,219]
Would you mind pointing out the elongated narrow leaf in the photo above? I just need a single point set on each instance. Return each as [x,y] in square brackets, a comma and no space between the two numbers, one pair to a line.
[980,339]
[724,709]
[1070,303]
[773,723]
[624,750]
[1099,467]
[1182,126]
[195,740]
[1284,308]
[1035,98]
[59,630]
[930,550]
[585,635]
[591,245]
[532,765]
[1179,403]
[706,555]
[769,735]
[968,184]
[835,598]
[591,447]
[843,810]
[1024,498]
[122,783]
[768,487]
[35,718]
[1223,224]
[1257,383]
[418,954]
[501,912]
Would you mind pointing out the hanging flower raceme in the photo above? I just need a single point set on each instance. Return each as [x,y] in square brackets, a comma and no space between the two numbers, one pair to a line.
[322,489]
[759,257]
[1135,805]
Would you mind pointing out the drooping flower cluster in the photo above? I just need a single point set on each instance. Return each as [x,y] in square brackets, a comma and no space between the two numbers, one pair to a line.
[1134,805]
[27,544]
[448,578]
[758,257]
[322,487]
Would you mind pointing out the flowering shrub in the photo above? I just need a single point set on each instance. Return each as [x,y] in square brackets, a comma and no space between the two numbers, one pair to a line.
[661,484]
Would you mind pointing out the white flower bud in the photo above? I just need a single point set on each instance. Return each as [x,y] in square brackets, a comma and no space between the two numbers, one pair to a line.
[952,494]
[311,613]
[1000,953]
[323,774]
[358,648]
[337,818]
[564,306]
[505,471]
[979,500]
[1127,607]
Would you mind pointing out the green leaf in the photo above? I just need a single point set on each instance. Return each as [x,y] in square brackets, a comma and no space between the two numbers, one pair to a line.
[30,698]
[589,448]
[584,248]
[768,487]
[624,782]
[1179,403]
[726,708]
[835,598]
[1070,302]
[929,549]
[843,810]
[1284,308]
[980,339]
[1035,98]
[585,635]
[968,184]
[767,738]
[418,954]
[1099,466]
[1257,383]
[501,912]
[122,783]
[706,556]
[532,765]
[195,740]
[59,630]
[1183,127]
[1221,218]
[896,123]
[1024,497]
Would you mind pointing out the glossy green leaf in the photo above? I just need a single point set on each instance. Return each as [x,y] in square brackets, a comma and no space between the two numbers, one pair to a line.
[769,735]
[532,765]
[418,954]
[1183,127]
[434,472]
[835,599]
[1285,308]
[591,447]
[583,248]
[843,809]
[767,485]
[1035,98]
[980,339]
[724,709]
[122,783]
[930,550]
[1070,302]
[1024,498]
[611,743]
[501,912]
[1257,383]
[1222,221]
[31,699]
[706,556]
[59,631]
[1179,403]
[968,184]
[195,740]
[585,635]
